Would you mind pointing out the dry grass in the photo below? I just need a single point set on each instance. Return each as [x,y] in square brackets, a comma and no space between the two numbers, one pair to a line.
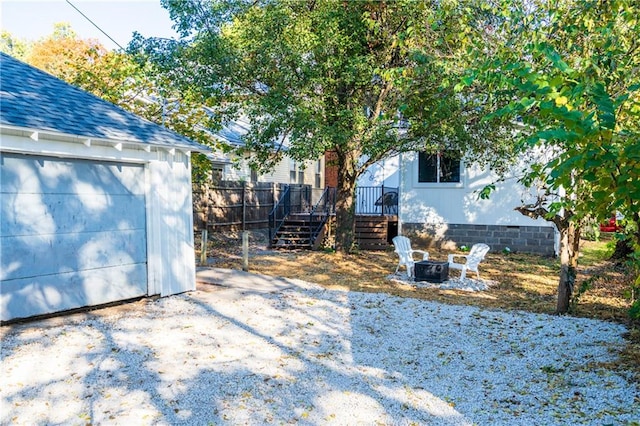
[524,282]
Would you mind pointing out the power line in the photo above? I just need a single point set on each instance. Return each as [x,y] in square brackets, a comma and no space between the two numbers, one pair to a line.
[94,24]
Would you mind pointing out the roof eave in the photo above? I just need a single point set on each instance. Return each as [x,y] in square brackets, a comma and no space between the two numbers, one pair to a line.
[117,143]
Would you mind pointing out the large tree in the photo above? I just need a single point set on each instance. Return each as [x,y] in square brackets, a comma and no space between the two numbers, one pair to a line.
[364,79]
[567,74]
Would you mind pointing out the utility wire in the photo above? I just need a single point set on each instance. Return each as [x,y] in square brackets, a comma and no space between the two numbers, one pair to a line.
[94,24]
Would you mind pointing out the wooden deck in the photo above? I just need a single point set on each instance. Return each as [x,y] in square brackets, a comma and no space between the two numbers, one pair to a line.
[375,232]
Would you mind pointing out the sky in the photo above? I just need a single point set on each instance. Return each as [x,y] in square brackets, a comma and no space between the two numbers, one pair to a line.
[34,19]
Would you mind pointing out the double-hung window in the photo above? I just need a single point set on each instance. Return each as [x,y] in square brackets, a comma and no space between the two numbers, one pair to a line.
[217,172]
[318,174]
[440,167]
[296,172]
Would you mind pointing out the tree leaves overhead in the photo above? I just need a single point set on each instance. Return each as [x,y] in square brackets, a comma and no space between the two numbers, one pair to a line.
[573,84]
[324,73]
[567,73]
[364,79]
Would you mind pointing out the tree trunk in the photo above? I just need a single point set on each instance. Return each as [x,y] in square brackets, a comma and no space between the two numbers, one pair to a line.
[569,250]
[345,206]
[345,216]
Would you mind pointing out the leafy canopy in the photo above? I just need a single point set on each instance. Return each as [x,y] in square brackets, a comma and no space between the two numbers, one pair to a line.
[362,78]
[568,73]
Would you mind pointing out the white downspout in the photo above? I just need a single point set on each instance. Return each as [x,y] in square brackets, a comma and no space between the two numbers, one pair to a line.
[400,191]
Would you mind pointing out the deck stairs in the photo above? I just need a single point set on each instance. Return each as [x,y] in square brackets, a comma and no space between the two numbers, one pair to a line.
[291,230]
[299,231]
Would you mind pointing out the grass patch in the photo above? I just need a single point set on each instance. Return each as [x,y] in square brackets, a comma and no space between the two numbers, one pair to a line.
[596,252]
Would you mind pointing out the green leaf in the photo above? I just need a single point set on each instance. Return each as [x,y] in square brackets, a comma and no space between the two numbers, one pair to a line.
[556,81]
[557,135]
[604,104]
[469,79]
[554,209]
[485,192]
[555,58]
[527,102]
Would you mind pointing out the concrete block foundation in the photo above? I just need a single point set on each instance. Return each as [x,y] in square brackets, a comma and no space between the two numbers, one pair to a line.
[524,239]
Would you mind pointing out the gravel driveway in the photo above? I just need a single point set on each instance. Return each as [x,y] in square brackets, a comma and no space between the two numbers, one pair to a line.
[253,350]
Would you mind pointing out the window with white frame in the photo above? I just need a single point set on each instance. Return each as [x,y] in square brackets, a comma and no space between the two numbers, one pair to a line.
[217,172]
[296,172]
[318,174]
[440,167]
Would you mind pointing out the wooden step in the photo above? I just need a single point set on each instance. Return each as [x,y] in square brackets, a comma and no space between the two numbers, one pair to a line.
[372,236]
[371,232]
[301,224]
[299,227]
[381,225]
[296,232]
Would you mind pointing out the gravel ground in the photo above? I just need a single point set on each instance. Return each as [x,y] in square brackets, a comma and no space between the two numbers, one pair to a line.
[453,283]
[296,353]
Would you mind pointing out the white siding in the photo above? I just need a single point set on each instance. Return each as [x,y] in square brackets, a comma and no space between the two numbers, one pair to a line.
[170,260]
[452,203]
[170,234]
[385,172]
[280,173]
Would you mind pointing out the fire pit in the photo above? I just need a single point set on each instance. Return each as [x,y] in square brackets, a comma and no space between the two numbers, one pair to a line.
[432,271]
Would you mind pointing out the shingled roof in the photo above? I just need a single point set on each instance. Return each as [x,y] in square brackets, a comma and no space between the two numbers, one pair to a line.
[35,100]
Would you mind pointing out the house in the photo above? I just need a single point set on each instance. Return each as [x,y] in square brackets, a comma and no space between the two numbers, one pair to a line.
[230,167]
[377,188]
[96,201]
[439,205]
[434,199]
[238,197]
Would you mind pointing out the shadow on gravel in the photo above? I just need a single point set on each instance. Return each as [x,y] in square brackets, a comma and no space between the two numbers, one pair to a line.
[282,351]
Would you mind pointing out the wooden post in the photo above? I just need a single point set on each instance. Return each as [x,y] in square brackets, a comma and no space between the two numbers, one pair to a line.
[203,247]
[244,205]
[245,251]
[274,196]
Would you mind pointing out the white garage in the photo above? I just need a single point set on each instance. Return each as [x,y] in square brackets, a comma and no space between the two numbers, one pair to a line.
[95,202]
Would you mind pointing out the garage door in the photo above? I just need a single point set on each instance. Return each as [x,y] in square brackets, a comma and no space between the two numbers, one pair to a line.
[73,234]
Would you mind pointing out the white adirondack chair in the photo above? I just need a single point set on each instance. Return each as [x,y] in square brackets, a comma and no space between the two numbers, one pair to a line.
[472,260]
[405,253]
